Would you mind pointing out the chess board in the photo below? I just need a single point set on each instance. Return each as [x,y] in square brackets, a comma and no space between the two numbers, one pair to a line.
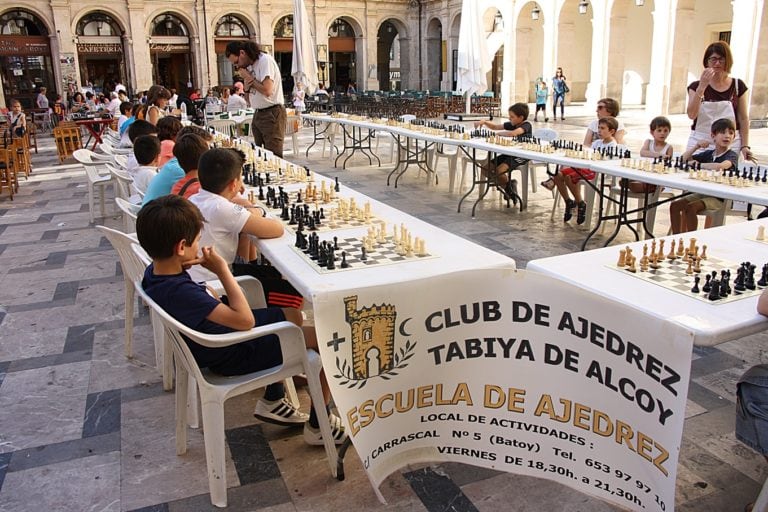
[384,253]
[754,239]
[671,275]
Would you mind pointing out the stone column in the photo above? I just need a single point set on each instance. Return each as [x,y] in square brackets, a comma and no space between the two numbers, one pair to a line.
[140,48]
[65,42]
[615,65]
[600,39]
[745,37]
[662,52]
[678,82]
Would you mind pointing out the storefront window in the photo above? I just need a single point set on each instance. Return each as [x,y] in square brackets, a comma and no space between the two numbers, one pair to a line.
[229,28]
[25,58]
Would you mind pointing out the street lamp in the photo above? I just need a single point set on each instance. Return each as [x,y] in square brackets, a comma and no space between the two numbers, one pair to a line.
[535,12]
[583,6]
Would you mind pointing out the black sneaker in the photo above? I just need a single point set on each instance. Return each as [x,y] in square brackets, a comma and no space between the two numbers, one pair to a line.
[581,213]
[546,119]
[568,215]
[512,191]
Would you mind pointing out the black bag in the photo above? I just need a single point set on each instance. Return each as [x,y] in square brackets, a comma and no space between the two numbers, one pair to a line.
[566,89]
[19,132]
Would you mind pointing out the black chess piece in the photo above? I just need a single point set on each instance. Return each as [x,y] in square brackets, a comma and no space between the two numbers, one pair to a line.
[344,263]
[363,255]
[336,187]
[714,291]
[707,284]
[738,283]
[764,277]
[336,243]
[331,259]
[695,288]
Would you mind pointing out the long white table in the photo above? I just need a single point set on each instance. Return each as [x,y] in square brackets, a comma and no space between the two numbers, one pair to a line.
[712,323]
[451,253]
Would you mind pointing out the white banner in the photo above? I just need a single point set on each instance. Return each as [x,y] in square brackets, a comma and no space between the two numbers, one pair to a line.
[513,371]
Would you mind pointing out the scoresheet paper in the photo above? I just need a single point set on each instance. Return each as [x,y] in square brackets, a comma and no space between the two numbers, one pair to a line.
[513,371]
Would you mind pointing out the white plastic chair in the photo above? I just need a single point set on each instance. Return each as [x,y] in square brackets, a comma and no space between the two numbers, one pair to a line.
[226,126]
[96,180]
[133,269]
[130,211]
[546,135]
[114,150]
[290,129]
[215,389]
[88,157]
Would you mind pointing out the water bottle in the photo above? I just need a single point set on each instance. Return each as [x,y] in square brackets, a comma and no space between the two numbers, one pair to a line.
[183,111]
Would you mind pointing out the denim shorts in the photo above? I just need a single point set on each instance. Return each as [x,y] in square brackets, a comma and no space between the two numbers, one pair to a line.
[752,408]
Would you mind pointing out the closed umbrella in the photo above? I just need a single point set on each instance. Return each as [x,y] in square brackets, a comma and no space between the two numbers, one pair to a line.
[304,65]
[473,59]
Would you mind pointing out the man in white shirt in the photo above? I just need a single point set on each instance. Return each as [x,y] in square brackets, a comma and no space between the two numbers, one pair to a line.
[264,84]
[114,104]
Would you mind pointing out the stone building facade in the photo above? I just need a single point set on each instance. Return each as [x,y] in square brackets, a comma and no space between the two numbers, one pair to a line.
[641,54]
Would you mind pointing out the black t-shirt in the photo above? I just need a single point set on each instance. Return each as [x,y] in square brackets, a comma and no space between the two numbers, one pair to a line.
[525,125]
[708,157]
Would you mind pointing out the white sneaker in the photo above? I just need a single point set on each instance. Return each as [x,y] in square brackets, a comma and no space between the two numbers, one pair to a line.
[280,412]
[313,436]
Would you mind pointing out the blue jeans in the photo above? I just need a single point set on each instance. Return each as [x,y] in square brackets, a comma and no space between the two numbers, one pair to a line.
[752,408]
[558,97]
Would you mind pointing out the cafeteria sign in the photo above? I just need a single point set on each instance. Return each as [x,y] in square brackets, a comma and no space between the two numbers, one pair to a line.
[513,371]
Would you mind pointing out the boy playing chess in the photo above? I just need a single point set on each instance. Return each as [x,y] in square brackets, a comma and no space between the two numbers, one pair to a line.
[146,149]
[567,179]
[655,147]
[684,212]
[176,248]
[517,126]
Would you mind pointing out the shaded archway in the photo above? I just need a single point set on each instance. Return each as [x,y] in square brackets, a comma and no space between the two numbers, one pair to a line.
[574,48]
[171,52]
[25,57]
[454,47]
[388,54]
[100,51]
[229,27]
[436,64]
[342,54]
[283,34]
[529,53]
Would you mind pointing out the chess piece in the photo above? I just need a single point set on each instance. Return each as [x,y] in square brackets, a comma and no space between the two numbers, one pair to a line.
[655,261]
[672,256]
[344,263]
[695,288]
[707,284]
[697,265]
[622,258]
[714,290]
[703,254]
[760,233]
[689,270]
[363,255]
[764,277]
[632,267]
[644,264]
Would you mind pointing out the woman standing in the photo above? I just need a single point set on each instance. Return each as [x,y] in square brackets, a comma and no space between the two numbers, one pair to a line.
[559,88]
[298,99]
[716,95]
[157,99]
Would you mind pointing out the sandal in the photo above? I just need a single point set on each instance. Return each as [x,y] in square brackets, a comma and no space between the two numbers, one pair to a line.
[581,213]
[548,184]
[568,215]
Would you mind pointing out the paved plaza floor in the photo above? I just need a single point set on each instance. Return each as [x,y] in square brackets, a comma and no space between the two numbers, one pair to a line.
[84,428]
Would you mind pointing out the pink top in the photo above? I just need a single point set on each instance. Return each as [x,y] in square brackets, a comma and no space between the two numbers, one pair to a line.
[166,152]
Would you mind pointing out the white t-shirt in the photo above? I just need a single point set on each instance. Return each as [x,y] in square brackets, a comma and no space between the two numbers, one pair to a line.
[113,106]
[262,68]
[593,128]
[235,103]
[224,220]
[142,176]
[131,165]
